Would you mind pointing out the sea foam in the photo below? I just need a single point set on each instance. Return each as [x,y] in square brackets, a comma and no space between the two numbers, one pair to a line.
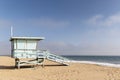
[97,63]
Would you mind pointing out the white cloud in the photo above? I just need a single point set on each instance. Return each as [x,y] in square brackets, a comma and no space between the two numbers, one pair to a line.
[49,23]
[101,20]
[60,48]
[95,20]
[64,48]
[96,41]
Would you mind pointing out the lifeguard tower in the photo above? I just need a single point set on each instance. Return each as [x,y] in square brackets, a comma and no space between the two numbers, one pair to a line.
[26,48]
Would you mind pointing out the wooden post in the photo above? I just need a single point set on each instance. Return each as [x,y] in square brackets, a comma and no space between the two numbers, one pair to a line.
[17,63]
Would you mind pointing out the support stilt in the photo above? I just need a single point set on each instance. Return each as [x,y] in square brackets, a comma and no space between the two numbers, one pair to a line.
[34,62]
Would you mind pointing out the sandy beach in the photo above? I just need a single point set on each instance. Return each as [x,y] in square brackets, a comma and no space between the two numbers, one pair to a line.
[53,71]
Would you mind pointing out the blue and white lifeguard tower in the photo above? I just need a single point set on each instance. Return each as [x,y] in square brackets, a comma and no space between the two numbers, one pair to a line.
[26,48]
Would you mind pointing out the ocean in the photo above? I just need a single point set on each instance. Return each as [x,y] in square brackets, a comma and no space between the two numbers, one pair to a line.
[97,59]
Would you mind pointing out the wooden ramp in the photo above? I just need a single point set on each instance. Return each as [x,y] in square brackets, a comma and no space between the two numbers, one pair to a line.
[39,60]
[56,58]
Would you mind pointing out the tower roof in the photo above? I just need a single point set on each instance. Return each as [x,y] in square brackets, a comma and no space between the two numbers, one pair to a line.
[27,38]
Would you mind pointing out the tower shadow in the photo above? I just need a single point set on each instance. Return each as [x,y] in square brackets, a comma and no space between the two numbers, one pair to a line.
[6,67]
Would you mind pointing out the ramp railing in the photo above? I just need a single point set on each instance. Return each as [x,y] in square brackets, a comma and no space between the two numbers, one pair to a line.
[46,54]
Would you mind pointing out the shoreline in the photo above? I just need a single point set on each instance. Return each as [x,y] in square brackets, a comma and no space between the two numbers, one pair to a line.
[97,63]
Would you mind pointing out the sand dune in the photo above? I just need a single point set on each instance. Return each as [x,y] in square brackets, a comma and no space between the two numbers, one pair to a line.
[52,71]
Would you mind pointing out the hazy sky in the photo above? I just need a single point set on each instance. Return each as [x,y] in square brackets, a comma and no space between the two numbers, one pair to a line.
[76,27]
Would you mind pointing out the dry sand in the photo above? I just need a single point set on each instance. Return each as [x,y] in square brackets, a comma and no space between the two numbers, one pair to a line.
[52,71]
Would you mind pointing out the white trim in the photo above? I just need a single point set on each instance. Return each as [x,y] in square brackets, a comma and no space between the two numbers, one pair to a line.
[31,38]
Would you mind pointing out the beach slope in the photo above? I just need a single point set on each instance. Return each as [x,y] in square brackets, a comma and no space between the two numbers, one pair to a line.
[53,71]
